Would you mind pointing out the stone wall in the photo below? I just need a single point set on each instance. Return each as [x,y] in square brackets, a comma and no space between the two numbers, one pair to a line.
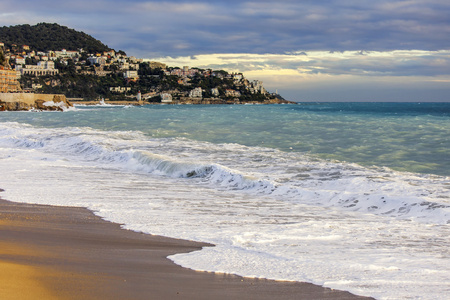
[28,101]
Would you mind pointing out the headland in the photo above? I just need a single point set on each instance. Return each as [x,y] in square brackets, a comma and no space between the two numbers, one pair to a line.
[92,72]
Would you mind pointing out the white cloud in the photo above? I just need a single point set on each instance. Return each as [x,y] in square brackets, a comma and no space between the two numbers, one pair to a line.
[172,7]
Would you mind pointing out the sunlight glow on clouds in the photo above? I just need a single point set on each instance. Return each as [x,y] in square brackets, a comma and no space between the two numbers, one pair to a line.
[361,63]
[373,71]
[167,7]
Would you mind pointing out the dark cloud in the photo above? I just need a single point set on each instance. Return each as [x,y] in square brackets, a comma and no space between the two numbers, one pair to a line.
[174,27]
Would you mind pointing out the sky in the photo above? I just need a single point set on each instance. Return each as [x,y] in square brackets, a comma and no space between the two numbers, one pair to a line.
[313,50]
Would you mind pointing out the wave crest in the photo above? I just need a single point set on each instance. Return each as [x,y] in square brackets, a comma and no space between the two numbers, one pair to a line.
[289,177]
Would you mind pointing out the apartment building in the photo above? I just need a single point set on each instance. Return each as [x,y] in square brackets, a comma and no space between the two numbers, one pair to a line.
[196,93]
[43,68]
[166,98]
[232,93]
[8,80]
[131,75]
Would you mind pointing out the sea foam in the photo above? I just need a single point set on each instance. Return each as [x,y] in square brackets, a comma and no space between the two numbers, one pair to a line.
[271,214]
[289,177]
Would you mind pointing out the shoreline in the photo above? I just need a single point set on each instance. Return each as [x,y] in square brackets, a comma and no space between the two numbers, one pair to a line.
[187,101]
[70,253]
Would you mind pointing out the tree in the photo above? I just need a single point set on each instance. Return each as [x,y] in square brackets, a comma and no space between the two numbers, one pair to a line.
[121,52]
[45,36]
[2,58]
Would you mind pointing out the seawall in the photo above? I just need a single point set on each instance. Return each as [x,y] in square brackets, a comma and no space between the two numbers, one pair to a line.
[29,101]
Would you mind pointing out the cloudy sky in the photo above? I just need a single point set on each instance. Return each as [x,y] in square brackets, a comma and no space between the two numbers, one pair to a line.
[313,50]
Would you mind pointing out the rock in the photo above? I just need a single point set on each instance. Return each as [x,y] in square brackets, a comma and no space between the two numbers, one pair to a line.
[15,106]
[28,101]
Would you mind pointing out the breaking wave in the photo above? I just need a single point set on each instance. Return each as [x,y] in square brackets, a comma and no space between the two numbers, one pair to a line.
[287,176]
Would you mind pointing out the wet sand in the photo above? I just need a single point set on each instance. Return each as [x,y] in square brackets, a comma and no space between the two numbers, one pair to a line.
[51,252]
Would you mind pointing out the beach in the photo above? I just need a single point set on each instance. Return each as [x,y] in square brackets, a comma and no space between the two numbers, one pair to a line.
[52,252]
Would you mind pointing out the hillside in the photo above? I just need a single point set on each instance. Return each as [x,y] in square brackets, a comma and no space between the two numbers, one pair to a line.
[96,72]
[45,36]
[2,57]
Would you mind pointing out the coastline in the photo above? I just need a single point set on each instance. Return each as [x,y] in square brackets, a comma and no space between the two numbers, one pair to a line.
[70,253]
[184,101]
[57,102]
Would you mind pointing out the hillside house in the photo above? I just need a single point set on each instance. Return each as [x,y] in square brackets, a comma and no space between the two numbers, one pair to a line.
[131,75]
[196,93]
[43,68]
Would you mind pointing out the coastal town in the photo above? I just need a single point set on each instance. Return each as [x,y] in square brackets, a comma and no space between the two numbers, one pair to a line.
[113,77]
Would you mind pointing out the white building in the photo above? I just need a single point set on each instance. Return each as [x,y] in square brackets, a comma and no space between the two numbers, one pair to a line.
[135,60]
[119,89]
[196,93]
[238,77]
[232,93]
[215,92]
[258,87]
[131,75]
[66,54]
[128,66]
[46,64]
[101,60]
[166,98]
[43,68]
[20,60]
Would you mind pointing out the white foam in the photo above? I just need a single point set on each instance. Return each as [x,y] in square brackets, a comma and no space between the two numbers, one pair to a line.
[271,214]
[290,177]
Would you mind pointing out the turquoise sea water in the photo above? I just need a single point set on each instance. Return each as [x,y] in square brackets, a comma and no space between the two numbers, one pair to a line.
[352,196]
[411,137]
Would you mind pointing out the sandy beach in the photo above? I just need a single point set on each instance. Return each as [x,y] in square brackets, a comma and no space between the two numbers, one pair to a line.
[49,252]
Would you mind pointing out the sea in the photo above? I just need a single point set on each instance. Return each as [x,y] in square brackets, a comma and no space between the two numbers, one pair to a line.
[351,196]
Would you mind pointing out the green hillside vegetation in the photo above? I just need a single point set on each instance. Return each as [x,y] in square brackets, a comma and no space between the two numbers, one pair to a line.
[76,85]
[2,57]
[46,36]
[73,84]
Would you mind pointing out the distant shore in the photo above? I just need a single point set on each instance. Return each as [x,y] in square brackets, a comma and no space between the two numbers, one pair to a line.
[40,102]
[100,102]
[186,100]
[50,252]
